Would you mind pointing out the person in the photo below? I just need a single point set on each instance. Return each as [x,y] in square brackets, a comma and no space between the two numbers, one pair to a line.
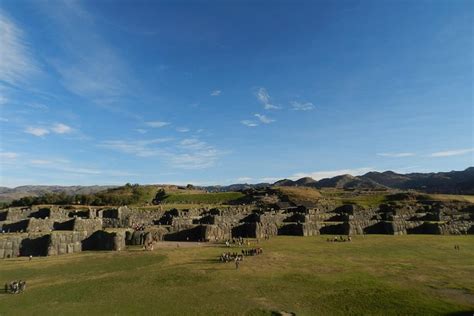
[21,286]
[14,287]
[237,262]
[31,257]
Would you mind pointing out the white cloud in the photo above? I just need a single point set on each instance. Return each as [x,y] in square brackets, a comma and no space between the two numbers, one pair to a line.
[56,161]
[317,175]
[41,162]
[264,98]
[3,99]
[216,93]
[396,155]
[8,155]
[249,123]
[193,153]
[60,128]
[157,124]
[297,106]
[37,131]
[244,179]
[140,148]
[38,106]
[89,66]
[264,119]
[140,130]
[450,153]
[182,129]
[16,62]
[190,153]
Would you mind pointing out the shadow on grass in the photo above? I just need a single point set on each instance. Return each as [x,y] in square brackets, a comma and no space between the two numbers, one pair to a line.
[462,313]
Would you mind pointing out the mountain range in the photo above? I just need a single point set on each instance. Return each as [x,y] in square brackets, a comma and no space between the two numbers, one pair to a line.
[452,182]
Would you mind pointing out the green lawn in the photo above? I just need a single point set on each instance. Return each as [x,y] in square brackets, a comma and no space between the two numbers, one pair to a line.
[383,275]
[202,198]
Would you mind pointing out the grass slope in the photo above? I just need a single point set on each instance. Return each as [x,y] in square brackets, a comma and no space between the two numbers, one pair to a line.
[300,194]
[202,198]
[373,275]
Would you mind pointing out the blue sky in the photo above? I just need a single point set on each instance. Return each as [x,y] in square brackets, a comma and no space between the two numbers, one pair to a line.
[219,92]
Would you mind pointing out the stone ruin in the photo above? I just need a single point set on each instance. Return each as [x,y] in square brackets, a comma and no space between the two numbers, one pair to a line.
[42,231]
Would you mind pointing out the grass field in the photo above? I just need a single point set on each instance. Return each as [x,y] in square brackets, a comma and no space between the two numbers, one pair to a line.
[202,198]
[383,275]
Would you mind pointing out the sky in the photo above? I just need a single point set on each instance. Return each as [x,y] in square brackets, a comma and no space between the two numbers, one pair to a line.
[220,92]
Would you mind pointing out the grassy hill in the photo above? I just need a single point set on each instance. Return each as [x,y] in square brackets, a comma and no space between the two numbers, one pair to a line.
[201,198]
[373,275]
[299,195]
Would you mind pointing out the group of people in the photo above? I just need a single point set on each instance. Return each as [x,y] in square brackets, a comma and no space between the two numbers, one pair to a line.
[231,256]
[237,258]
[15,287]
[339,239]
[252,252]
[236,241]
[138,226]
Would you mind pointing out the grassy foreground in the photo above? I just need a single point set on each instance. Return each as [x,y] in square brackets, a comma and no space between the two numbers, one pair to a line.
[383,275]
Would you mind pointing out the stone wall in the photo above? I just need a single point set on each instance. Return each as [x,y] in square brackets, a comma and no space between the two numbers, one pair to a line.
[63,242]
[102,240]
[10,245]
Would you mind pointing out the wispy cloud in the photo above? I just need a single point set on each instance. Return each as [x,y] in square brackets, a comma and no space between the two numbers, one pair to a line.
[190,153]
[264,98]
[306,106]
[65,166]
[56,161]
[17,64]
[37,131]
[140,148]
[182,129]
[60,128]
[57,128]
[450,153]
[264,119]
[216,93]
[157,124]
[89,66]
[8,155]
[193,153]
[317,175]
[249,123]
[38,106]
[3,99]
[140,130]
[396,155]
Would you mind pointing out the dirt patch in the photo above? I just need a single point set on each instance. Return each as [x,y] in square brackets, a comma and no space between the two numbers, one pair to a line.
[458,295]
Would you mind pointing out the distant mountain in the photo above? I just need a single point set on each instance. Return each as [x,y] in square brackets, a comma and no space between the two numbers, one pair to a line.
[285,183]
[453,182]
[348,182]
[10,194]
[306,181]
[234,187]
